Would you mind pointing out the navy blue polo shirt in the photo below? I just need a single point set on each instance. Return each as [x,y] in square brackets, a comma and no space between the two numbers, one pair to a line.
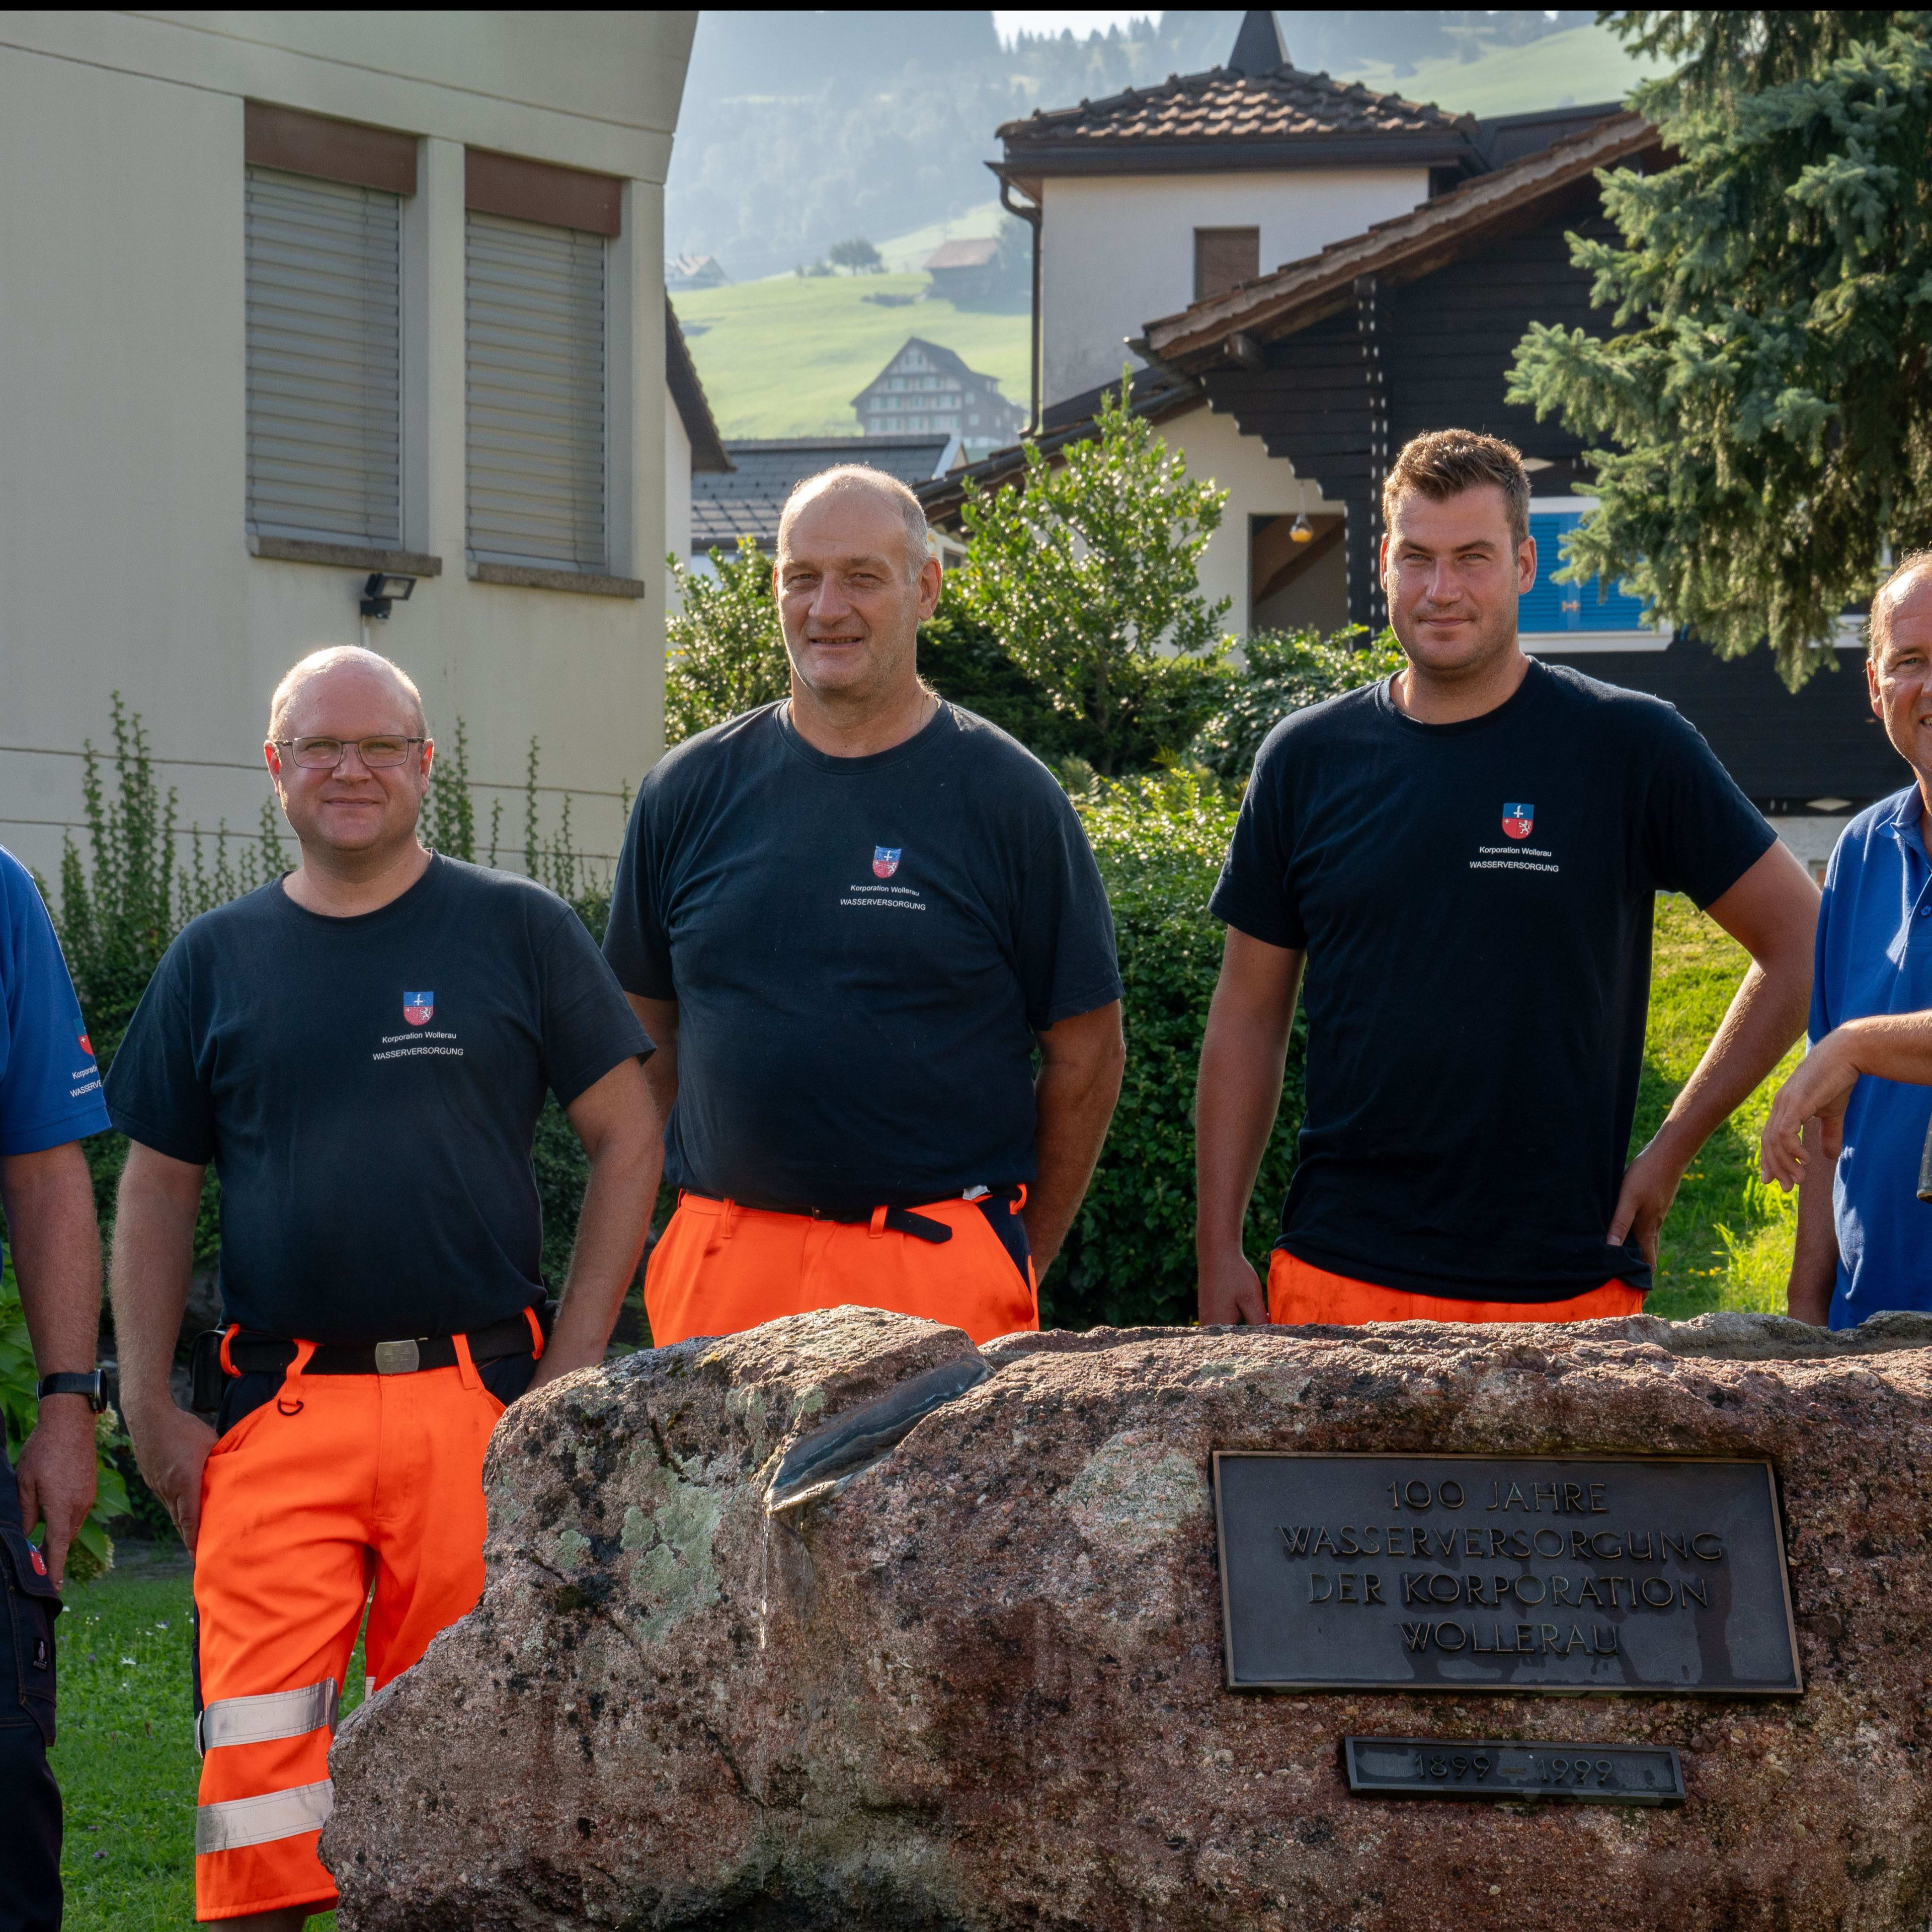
[1874,955]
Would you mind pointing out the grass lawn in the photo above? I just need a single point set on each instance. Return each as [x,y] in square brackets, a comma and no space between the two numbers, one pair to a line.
[785,357]
[126,1756]
[1727,1242]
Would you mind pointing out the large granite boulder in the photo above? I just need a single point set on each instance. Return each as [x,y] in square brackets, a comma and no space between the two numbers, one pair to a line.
[972,1676]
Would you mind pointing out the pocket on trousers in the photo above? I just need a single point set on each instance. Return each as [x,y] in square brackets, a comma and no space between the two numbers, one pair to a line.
[32,1604]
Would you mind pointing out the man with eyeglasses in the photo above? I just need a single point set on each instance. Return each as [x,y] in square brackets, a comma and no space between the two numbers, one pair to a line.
[361,1048]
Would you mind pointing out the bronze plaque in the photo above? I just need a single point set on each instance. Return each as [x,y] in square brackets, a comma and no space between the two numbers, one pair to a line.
[1455,1768]
[1499,1573]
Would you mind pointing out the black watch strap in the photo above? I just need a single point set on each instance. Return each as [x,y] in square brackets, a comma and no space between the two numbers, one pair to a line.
[90,1385]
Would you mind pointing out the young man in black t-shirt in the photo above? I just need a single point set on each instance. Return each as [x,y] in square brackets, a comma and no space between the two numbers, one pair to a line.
[849,921]
[361,1048]
[1466,856]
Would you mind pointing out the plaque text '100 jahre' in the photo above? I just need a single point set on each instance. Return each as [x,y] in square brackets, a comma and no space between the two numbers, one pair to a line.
[1464,1573]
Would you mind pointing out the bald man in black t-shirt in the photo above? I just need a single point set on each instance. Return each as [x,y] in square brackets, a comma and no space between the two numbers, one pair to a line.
[850,921]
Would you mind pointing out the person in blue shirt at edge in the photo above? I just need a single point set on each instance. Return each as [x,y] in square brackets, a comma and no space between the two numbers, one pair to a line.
[49,1096]
[1848,1129]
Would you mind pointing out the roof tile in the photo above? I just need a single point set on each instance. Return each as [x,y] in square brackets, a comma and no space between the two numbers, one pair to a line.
[1221,105]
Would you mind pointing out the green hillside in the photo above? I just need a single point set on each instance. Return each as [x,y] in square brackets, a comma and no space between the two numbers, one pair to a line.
[1582,64]
[785,357]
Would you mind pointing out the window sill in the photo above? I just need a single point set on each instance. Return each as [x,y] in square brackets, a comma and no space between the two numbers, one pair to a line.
[527,577]
[349,556]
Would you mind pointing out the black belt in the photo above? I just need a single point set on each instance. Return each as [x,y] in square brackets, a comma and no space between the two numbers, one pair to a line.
[264,1355]
[904,1221]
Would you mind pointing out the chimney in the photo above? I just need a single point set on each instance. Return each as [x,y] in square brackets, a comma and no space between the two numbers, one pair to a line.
[1257,46]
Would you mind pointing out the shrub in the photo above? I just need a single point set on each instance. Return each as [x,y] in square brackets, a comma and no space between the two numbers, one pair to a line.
[963,661]
[726,651]
[1130,1255]
[1286,670]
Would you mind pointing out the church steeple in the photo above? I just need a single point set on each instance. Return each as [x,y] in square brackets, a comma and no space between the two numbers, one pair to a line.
[1257,46]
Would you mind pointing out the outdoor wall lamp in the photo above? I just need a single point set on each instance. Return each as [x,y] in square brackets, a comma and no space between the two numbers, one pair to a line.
[1301,530]
[382,590]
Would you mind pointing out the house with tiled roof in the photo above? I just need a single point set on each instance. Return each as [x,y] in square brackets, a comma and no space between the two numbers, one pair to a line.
[1145,201]
[1293,386]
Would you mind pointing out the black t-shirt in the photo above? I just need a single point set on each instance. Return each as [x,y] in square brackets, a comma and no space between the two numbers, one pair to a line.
[862,950]
[368,1089]
[1475,901]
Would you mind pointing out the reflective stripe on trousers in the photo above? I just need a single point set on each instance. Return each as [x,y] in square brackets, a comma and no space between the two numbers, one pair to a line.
[240,1822]
[260,1720]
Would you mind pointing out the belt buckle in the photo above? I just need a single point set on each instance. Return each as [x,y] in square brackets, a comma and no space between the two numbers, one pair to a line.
[398,1358]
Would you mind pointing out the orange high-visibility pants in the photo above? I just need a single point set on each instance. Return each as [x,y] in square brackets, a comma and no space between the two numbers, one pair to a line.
[1300,1292]
[718,1269]
[335,1483]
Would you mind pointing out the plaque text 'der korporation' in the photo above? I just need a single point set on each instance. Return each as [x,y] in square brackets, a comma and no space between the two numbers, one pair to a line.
[1517,1574]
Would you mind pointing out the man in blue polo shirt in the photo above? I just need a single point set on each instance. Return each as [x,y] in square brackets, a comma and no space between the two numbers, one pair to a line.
[50,1097]
[1860,1099]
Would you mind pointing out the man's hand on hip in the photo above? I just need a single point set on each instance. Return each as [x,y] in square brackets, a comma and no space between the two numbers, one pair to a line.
[171,1447]
[56,1472]
[1231,1290]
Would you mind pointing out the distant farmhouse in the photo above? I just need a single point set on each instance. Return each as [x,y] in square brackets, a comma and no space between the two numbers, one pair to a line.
[744,499]
[925,388]
[695,271]
[965,272]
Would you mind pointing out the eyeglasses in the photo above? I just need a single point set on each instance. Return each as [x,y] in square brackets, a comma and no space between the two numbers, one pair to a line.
[324,754]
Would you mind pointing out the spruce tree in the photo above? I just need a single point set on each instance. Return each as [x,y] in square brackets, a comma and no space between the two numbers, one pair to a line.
[1761,416]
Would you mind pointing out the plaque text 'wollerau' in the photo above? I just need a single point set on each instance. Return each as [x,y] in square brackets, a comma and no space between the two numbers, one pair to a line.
[1466,1572]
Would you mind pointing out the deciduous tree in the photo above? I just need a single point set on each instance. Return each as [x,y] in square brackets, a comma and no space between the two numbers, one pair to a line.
[1087,574]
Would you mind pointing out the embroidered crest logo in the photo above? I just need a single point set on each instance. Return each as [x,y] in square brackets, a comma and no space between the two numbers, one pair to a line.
[86,1044]
[886,860]
[1517,819]
[417,1008]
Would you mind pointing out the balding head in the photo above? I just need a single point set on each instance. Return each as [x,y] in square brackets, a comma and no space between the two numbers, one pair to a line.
[1911,576]
[861,479]
[285,707]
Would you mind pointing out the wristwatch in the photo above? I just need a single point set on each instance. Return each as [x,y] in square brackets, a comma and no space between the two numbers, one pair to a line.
[91,1385]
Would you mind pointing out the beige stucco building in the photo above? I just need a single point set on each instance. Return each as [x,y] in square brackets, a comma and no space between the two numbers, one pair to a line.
[288,297]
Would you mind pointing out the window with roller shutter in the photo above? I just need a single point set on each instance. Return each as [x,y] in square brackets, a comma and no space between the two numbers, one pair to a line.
[1554,617]
[535,333]
[324,360]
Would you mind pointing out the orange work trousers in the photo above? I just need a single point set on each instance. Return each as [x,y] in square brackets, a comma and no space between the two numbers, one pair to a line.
[335,1483]
[1300,1292]
[718,1269]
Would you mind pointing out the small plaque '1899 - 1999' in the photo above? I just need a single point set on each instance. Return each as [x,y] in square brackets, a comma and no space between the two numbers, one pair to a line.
[1585,1774]
[1479,1573]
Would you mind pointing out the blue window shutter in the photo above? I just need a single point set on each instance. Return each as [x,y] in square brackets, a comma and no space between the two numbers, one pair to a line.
[1550,606]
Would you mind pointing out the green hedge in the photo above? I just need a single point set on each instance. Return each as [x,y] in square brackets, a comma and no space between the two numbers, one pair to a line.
[1130,1256]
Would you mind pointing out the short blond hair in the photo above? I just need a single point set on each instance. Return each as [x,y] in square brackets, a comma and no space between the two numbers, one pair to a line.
[862,478]
[319,664]
[1446,462]
[1878,628]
